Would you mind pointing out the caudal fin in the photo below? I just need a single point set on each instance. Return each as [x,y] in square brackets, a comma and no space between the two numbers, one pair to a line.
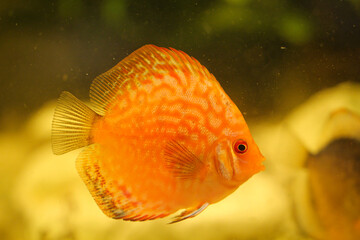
[72,124]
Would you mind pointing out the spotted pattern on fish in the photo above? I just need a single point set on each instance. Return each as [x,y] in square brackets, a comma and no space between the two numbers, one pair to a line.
[164,137]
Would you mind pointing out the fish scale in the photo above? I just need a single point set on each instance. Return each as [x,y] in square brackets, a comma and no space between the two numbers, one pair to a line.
[165,137]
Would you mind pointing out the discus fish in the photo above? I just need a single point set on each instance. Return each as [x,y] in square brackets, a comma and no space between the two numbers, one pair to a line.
[161,135]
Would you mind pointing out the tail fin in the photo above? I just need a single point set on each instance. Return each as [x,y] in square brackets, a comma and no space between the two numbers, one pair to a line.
[72,124]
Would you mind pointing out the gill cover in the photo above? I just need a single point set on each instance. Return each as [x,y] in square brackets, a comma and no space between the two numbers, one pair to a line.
[225,160]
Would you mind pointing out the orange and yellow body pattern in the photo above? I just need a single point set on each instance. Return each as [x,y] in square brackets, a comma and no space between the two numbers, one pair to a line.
[162,135]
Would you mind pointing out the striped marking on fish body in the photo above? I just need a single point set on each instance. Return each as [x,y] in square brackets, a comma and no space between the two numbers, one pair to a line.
[154,113]
[161,104]
[173,104]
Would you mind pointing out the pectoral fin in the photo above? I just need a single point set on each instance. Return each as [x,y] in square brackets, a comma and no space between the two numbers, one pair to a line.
[181,161]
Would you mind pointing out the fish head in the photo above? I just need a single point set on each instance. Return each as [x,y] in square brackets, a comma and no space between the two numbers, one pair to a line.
[236,158]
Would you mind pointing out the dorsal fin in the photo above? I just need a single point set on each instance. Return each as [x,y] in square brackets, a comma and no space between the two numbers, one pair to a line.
[147,63]
[104,88]
[181,161]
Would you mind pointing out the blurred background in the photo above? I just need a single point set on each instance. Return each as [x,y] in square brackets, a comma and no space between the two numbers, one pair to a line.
[292,67]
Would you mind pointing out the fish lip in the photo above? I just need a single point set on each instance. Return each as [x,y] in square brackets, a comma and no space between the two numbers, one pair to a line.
[260,165]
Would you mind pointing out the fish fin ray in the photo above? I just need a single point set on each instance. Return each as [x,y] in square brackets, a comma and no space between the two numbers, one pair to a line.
[112,202]
[89,169]
[145,217]
[146,63]
[105,88]
[189,213]
[181,161]
[72,124]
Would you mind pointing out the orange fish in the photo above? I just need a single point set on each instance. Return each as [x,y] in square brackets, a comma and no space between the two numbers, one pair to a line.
[161,135]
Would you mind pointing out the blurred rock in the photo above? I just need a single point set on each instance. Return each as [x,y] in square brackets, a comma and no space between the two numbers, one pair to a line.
[335,183]
[319,154]
[316,122]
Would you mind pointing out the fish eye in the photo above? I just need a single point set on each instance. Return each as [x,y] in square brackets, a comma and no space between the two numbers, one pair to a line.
[240,146]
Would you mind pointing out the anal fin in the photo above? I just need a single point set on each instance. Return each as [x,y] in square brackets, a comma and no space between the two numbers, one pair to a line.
[88,168]
[113,201]
[189,213]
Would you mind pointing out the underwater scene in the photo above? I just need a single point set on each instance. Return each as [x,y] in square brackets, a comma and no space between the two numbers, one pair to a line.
[179,119]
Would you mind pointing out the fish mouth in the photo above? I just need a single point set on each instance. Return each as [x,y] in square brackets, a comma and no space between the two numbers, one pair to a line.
[248,169]
[260,165]
[255,167]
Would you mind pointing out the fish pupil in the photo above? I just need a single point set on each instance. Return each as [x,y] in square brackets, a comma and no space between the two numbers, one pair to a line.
[241,147]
